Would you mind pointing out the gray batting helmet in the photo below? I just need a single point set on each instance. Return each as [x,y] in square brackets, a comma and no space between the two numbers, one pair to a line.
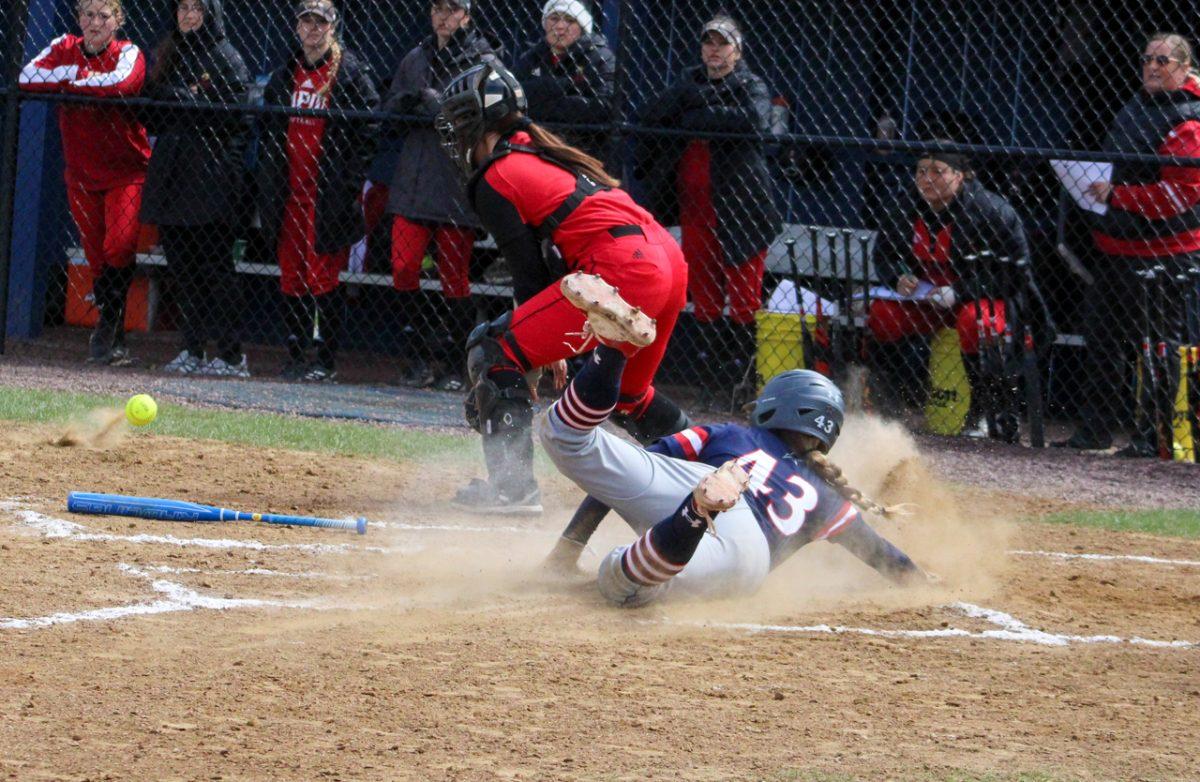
[801,400]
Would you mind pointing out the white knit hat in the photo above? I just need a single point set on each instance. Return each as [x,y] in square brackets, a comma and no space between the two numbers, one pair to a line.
[572,8]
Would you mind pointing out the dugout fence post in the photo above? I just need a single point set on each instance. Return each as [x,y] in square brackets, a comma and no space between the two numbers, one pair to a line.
[8,152]
[616,144]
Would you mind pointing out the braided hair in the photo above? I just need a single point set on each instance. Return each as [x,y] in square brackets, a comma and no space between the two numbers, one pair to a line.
[832,475]
[335,64]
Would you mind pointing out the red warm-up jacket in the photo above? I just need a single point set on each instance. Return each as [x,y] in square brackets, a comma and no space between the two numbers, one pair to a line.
[104,146]
[1154,211]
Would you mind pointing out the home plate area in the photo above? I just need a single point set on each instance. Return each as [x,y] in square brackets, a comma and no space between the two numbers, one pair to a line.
[217,588]
[435,648]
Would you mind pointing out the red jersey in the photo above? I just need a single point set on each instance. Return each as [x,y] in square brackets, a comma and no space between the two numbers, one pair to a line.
[536,187]
[305,134]
[104,146]
[933,253]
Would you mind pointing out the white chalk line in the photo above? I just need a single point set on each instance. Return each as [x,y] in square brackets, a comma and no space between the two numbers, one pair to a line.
[409,527]
[256,571]
[52,527]
[1108,558]
[1010,629]
[177,597]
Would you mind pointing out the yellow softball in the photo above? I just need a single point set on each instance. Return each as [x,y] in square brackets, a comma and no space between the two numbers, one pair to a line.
[141,409]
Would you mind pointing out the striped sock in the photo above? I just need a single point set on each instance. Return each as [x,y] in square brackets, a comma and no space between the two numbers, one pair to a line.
[662,552]
[592,394]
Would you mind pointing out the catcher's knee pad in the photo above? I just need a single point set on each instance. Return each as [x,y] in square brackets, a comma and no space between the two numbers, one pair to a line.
[659,418]
[501,407]
[484,352]
[620,589]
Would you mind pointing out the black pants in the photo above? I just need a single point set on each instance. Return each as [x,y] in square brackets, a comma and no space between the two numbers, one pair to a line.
[1114,322]
[206,287]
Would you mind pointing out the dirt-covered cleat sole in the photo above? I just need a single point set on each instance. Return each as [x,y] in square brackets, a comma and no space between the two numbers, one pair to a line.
[612,318]
[720,490]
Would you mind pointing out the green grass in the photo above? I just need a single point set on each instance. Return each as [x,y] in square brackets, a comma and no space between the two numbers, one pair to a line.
[1177,523]
[258,429]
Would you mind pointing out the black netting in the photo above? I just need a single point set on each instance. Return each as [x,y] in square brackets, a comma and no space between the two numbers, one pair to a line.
[812,158]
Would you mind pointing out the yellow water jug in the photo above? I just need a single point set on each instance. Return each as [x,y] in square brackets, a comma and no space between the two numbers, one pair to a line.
[949,388]
[780,343]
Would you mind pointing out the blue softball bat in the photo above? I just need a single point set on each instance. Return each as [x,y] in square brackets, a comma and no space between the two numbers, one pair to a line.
[177,510]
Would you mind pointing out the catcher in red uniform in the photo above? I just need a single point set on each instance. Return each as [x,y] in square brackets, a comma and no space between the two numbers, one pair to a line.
[552,210]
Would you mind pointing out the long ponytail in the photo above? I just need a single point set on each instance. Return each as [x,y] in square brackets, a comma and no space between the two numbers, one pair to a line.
[335,64]
[832,474]
[570,157]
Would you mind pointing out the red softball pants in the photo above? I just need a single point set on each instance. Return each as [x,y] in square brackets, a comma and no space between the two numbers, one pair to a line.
[711,280]
[649,270]
[891,321]
[108,224]
[452,245]
[303,270]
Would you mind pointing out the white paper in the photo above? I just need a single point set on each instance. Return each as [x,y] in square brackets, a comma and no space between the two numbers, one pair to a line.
[783,300]
[921,293]
[1076,175]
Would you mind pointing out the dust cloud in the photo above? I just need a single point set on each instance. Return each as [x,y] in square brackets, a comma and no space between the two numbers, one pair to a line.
[101,429]
[497,563]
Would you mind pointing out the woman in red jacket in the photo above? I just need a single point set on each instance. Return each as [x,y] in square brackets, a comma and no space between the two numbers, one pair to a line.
[552,210]
[106,154]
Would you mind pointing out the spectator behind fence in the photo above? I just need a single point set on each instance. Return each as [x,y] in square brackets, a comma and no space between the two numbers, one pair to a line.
[719,191]
[428,201]
[1153,219]
[196,180]
[106,151]
[928,239]
[570,75]
[310,172]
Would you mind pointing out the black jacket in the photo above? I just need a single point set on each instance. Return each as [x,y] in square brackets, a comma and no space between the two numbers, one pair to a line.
[427,185]
[196,173]
[743,191]
[578,86]
[346,150]
[980,220]
[1141,126]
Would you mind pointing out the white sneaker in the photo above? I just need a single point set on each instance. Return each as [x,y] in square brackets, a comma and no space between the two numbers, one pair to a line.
[611,318]
[977,429]
[184,364]
[219,367]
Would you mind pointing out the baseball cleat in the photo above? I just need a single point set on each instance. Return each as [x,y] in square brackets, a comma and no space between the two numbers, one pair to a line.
[482,497]
[719,491]
[611,318]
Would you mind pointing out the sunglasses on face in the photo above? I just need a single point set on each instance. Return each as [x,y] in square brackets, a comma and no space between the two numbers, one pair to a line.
[1161,60]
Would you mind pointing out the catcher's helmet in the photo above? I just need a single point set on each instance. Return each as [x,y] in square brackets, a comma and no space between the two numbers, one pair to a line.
[474,102]
[801,400]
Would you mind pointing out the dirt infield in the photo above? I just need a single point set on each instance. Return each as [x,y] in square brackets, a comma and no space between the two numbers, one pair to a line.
[434,647]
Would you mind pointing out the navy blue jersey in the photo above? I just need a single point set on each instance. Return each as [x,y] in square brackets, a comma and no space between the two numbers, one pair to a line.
[793,505]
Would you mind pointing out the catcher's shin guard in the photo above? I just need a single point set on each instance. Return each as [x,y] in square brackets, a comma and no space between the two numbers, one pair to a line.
[661,417]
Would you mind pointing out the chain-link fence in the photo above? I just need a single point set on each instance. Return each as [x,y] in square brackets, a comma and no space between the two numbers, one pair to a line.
[991,208]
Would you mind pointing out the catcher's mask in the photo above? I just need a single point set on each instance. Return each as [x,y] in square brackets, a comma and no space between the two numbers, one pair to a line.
[804,401]
[478,100]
